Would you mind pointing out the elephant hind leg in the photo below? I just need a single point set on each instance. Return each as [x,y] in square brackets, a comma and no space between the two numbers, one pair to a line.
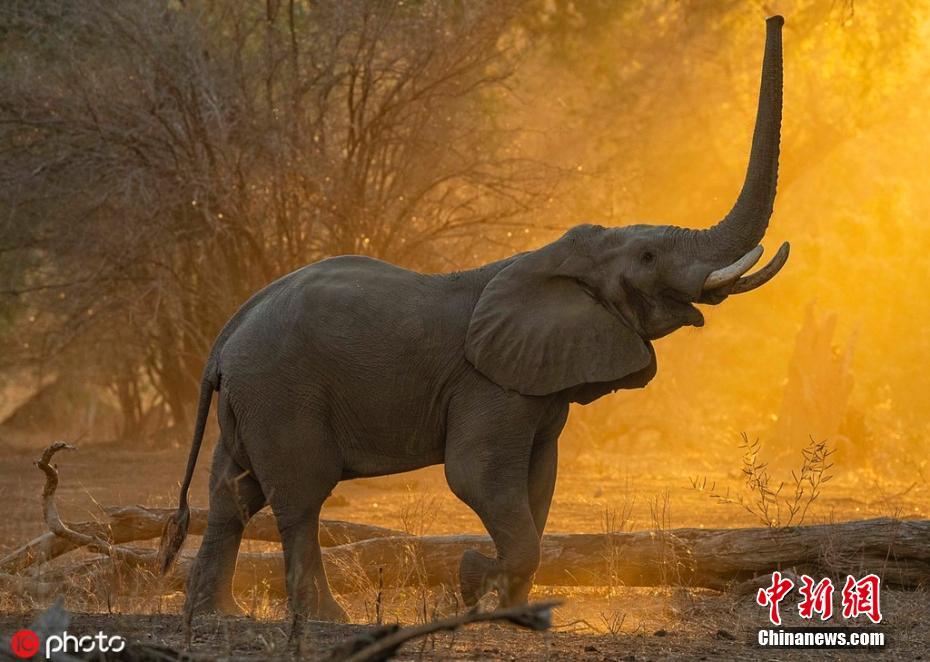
[298,466]
[297,491]
[235,496]
[308,588]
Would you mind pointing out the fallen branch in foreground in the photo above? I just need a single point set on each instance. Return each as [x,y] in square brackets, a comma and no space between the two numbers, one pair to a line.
[62,530]
[383,643]
[897,550]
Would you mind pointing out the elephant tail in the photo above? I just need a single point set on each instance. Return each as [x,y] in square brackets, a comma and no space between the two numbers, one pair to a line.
[175,530]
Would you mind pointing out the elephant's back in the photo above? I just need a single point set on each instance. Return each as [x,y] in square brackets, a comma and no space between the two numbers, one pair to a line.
[364,314]
[345,292]
[357,305]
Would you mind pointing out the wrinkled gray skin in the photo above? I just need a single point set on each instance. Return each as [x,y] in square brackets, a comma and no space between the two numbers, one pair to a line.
[353,367]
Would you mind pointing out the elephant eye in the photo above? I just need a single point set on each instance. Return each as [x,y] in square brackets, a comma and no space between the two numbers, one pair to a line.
[647,257]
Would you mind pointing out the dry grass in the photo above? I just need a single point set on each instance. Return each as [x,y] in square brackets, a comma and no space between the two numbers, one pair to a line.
[765,497]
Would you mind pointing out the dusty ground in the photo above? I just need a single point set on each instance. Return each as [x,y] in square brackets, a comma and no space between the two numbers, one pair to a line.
[597,491]
[709,628]
[713,628]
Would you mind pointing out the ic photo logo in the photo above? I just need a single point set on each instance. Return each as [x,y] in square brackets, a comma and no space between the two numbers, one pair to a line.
[25,644]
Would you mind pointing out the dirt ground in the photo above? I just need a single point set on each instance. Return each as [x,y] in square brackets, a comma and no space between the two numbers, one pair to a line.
[712,629]
[597,491]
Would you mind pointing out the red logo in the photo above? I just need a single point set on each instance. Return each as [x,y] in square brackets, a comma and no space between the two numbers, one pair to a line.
[818,598]
[862,597]
[773,595]
[25,644]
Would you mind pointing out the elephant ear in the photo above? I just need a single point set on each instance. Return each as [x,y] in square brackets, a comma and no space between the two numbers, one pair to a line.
[537,329]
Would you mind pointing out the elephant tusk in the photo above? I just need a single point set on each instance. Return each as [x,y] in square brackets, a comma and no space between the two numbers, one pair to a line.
[729,275]
[765,274]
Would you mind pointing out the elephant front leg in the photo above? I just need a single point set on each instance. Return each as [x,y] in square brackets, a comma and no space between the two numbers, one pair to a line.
[479,573]
[543,471]
[511,572]
[492,477]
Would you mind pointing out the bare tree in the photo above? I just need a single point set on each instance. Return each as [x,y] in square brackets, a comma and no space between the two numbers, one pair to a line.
[161,161]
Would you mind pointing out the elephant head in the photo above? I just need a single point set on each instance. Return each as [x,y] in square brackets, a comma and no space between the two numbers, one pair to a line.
[583,309]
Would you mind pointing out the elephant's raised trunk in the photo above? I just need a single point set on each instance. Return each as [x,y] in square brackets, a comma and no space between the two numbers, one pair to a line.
[734,241]
[744,226]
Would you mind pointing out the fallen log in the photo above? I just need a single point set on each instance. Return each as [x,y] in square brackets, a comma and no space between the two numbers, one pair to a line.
[896,550]
[125,524]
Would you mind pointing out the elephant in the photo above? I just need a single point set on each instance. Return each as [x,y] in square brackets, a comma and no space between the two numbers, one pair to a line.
[352,367]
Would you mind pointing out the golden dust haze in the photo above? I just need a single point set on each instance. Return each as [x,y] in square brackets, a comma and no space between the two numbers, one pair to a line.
[655,112]
[160,162]
[646,109]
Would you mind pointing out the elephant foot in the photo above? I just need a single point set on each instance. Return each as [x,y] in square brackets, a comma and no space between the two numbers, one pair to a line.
[225,605]
[474,571]
[332,611]
[517,592]
[296,635]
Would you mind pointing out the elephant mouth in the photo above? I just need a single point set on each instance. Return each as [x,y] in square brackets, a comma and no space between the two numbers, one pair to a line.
[686,314]
[696,318]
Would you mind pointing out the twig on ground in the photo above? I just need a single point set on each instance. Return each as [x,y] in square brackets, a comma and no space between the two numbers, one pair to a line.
[388,639]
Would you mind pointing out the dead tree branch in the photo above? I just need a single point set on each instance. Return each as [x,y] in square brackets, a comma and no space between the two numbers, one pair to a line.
[60,529]
[135,523]
[383,643]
